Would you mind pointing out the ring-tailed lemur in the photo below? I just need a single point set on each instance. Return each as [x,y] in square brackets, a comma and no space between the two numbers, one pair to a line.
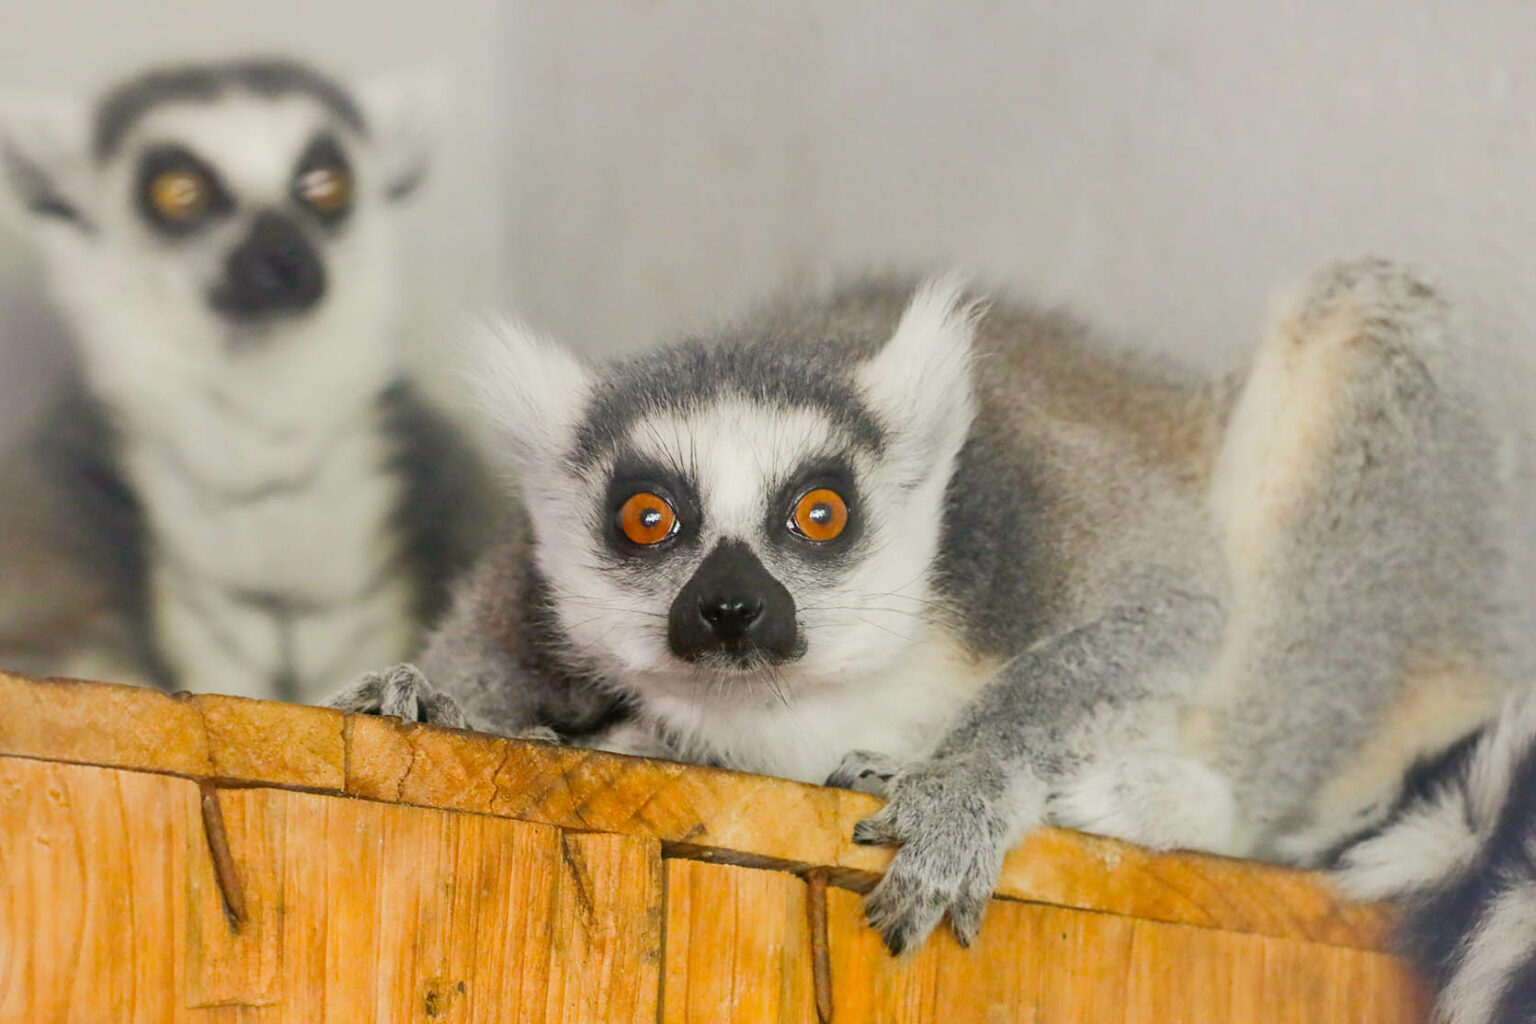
[974,560]
[241,492]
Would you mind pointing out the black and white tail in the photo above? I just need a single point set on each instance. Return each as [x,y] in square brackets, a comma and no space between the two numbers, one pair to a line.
[1458,854]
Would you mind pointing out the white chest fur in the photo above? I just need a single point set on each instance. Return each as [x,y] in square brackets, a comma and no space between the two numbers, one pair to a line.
[901,710]
[273,575]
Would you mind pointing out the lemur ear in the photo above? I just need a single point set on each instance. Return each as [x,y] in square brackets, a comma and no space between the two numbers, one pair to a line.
[403,113]
[920,382]
[45,157]
[532,390]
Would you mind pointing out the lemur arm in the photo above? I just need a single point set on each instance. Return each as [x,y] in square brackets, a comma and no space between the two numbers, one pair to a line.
[484,667]
[1042,721]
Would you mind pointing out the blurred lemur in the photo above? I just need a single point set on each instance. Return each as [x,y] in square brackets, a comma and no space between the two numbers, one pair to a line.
[240,492]
[965,556]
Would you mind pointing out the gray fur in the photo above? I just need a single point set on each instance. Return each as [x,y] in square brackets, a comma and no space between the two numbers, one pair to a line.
[1223,614]
[124,105]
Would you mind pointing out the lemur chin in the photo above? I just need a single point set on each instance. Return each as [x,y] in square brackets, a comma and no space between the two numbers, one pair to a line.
[239,491]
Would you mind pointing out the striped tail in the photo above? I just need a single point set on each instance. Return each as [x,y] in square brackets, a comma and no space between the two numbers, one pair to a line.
[1458,854]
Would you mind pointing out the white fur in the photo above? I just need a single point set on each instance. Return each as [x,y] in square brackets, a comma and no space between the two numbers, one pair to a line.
[529,388]
[1158,800]
[1502,942]
[920,380]
[1421,848]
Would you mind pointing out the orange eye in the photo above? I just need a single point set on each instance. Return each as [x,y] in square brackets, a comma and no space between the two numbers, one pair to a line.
[647,519]
[180,196]
[820,515]
[326,189]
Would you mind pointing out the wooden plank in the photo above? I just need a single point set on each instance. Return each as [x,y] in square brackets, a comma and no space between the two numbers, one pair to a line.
[356,910]
[101,723]
[1030,964]
[1047,964]
[608,912]
[696,811]
[1203,976]
[707,812]
[738,946]
[89,862]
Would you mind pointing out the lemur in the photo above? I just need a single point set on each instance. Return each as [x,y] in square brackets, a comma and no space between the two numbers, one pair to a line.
[966,555]
[239,490]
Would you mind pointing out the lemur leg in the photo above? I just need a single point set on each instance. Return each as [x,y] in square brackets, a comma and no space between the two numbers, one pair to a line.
[1352,493]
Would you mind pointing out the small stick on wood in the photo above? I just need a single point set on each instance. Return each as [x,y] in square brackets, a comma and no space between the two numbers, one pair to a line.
[821,956]
[223,861]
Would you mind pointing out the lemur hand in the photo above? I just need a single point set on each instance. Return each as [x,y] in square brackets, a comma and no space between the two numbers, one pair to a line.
[402,692]
[953,820]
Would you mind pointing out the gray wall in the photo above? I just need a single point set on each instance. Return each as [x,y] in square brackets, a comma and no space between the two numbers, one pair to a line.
[456,234]
[617,169]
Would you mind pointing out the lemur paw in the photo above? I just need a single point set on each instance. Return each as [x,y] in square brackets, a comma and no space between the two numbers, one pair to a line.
[952,821]
[865,771]
[402,692]
[539,734]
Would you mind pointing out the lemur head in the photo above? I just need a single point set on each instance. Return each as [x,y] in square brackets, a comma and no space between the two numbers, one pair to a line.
[746,515]
[209,219]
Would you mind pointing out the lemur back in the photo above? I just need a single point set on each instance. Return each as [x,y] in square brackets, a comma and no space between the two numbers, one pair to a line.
[972,559]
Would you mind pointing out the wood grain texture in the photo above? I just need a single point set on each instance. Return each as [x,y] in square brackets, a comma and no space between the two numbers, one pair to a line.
[1044,965]
[738,947]
[698,812]
[357,910]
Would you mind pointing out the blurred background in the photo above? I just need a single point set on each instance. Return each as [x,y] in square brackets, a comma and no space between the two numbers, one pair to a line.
[615,170]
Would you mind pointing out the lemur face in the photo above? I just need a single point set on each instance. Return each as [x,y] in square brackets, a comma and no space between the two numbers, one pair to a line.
[245,201]
[740,517]
[213,219]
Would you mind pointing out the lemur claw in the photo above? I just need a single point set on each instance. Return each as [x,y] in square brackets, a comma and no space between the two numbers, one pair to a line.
[865,771]
[402,692]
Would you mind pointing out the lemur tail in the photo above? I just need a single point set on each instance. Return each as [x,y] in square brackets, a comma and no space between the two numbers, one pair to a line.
[1458,854]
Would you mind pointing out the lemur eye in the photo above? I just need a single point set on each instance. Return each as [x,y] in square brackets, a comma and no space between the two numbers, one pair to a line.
[820,515]
[180,196]
[647,519]
[326,189]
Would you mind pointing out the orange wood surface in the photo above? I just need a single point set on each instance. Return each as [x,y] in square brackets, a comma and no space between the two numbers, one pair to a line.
[401,873]
[738,946]
[695,811]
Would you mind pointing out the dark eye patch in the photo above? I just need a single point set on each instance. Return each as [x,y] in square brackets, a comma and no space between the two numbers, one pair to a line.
[322,181]
[159,161]
[631,476]
[832,473]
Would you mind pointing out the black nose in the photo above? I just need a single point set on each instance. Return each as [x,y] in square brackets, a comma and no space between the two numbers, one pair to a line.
[274,270]
[734,609]
[730,616]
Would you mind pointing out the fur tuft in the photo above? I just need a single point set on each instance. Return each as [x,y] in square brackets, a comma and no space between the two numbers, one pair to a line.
[532,390]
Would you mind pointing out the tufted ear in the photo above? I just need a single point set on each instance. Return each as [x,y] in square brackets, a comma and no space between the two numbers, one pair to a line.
[530,389]
[403,112]
[920,382]
[45,157]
